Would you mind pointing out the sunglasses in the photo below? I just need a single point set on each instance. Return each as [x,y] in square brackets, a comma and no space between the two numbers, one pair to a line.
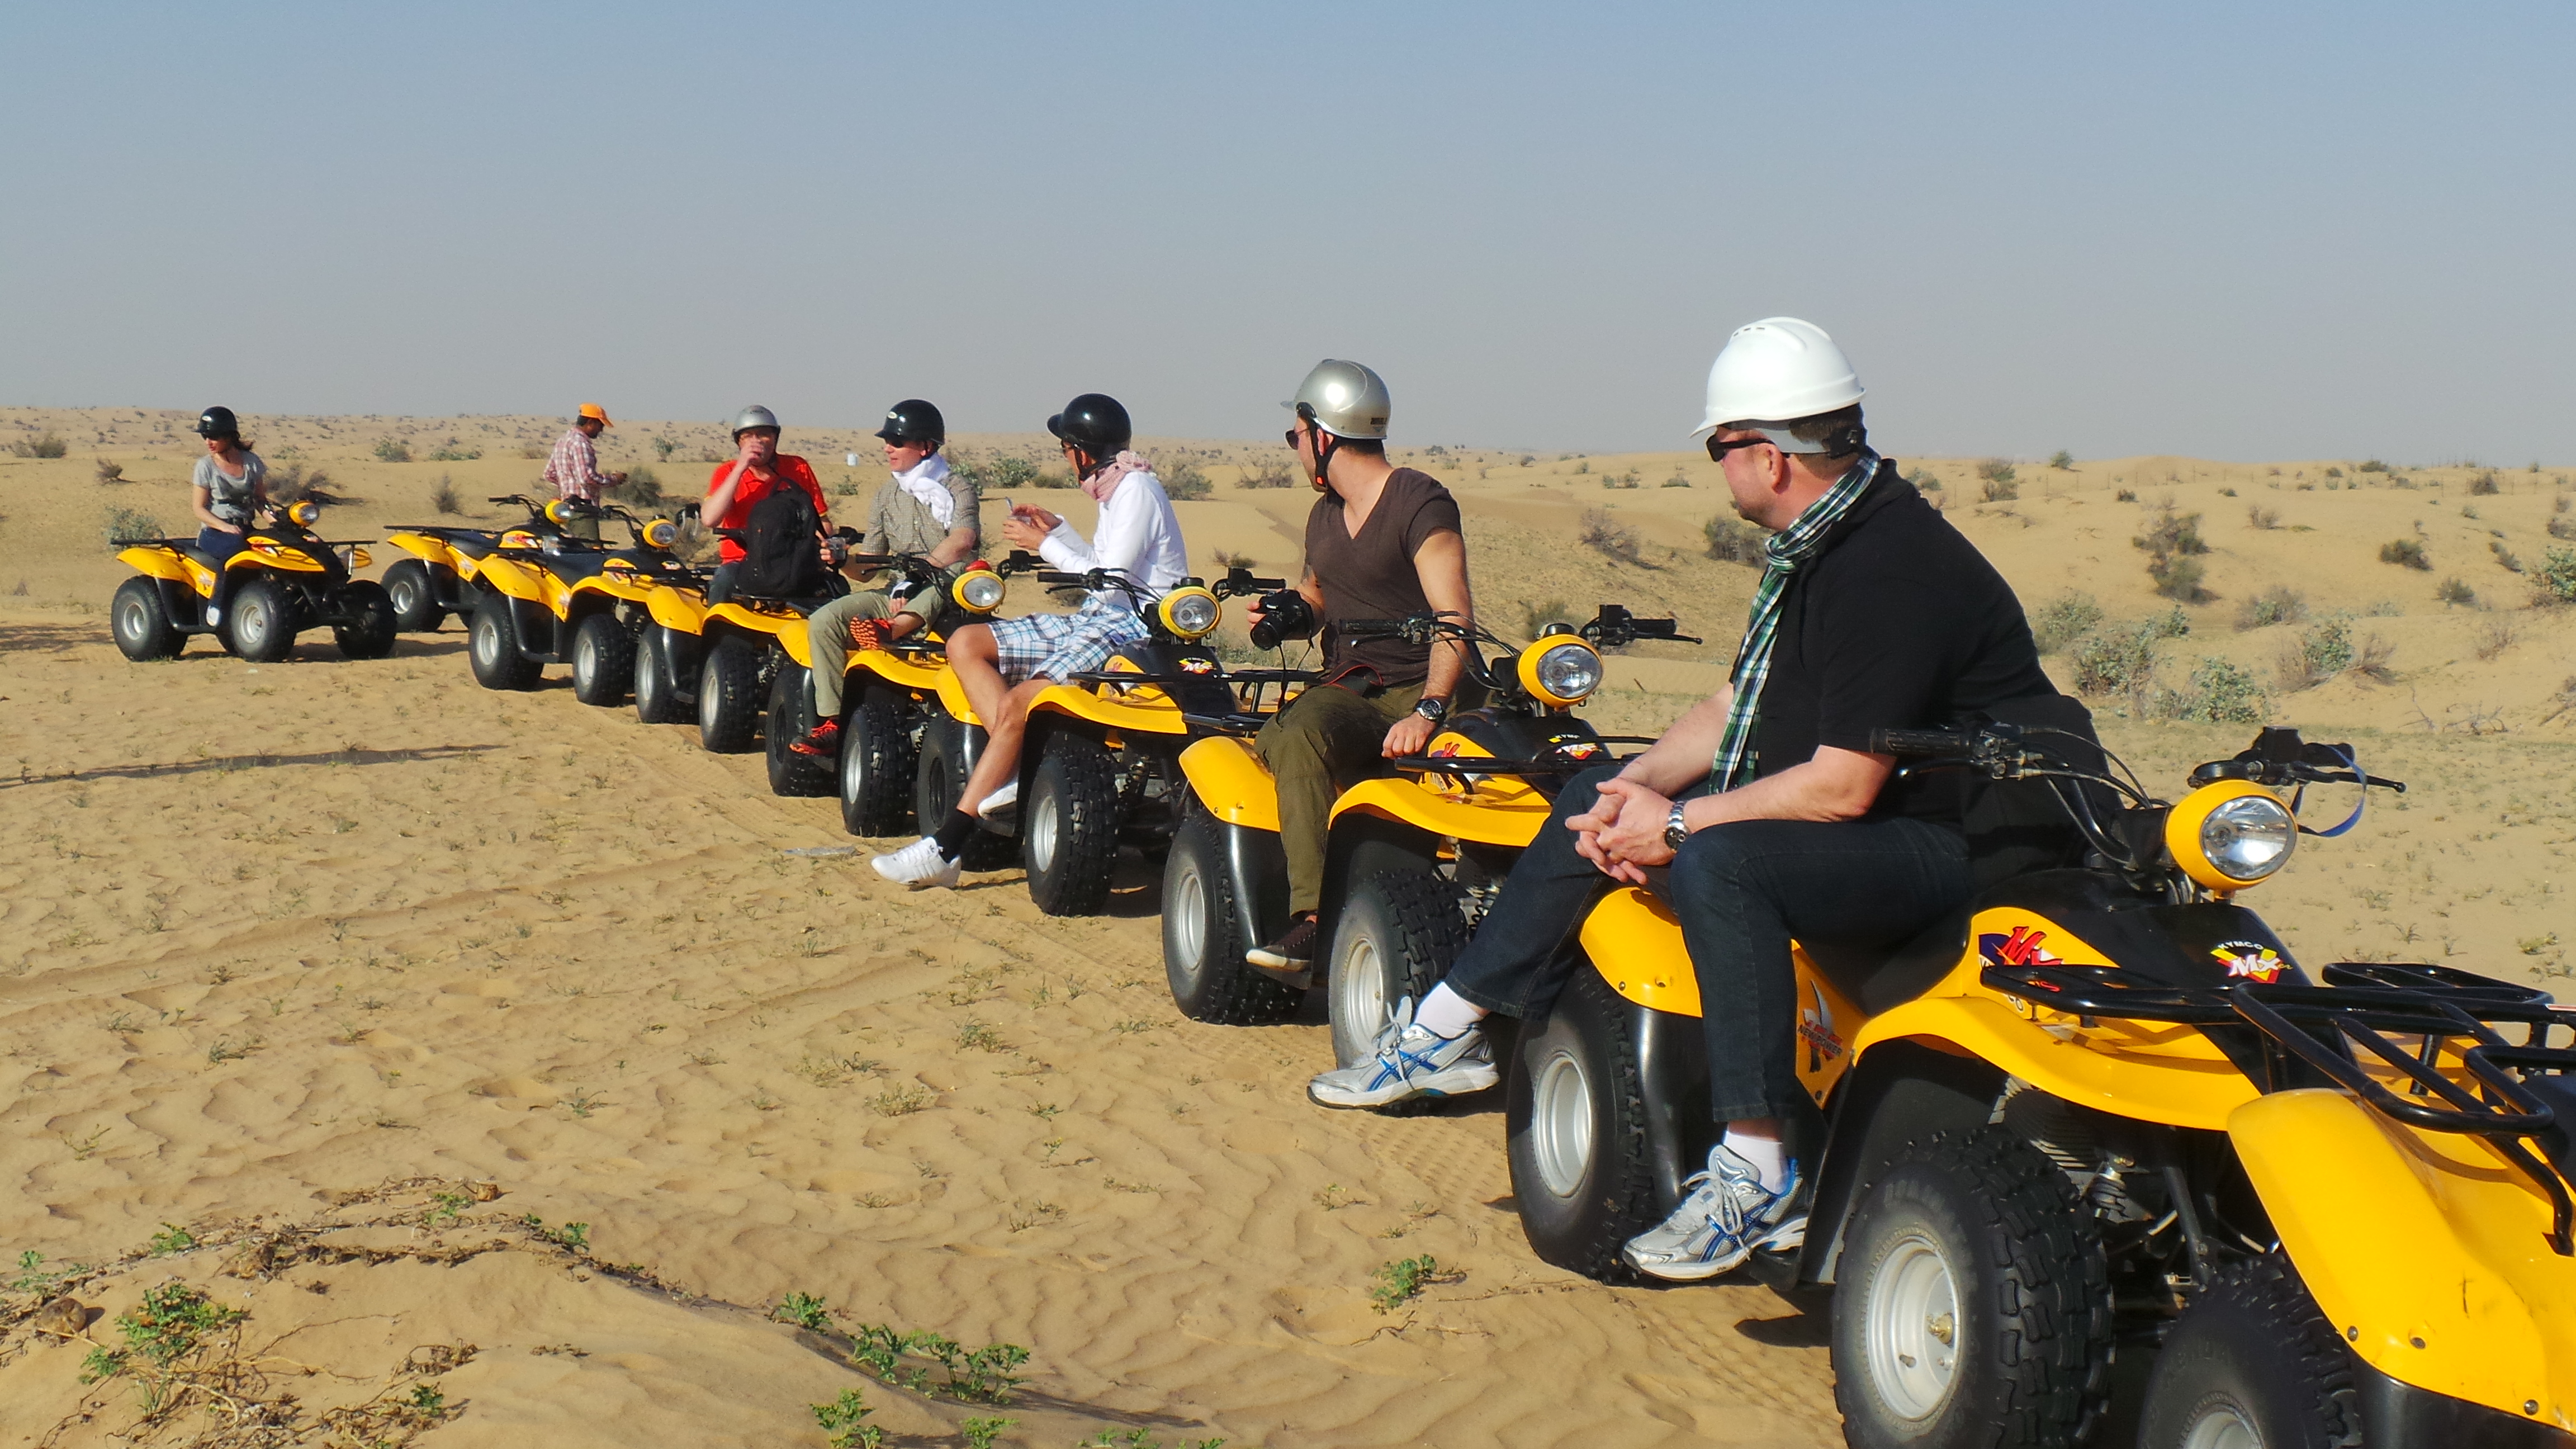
[1717,451]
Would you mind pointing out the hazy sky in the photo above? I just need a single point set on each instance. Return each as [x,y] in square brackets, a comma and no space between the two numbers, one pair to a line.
[2240,230]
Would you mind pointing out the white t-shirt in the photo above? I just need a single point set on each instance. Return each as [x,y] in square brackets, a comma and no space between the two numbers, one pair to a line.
[1137,534]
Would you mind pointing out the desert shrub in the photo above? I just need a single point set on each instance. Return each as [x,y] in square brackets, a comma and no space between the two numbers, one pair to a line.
[445,498]
[663,448]
[1268,473]
[1580,468]
[2115,660]
[1185,481]
[2318,654]
[393,450]
[2173,623]
[2063,620]
[2372,465]
[1923,480]
[535,450]
[451,452]
[2125,495]
[2178,578]
[2455,591]
[1535,617]
[2334,472]
[2406,553]
[2001,485]
[110,471]
[2556,577]
[2219,693]
[1628,479]
[293,484]
[2172,533]
[998,474]
[130,523]
[2561,525]
[43,445]
[2484,485]
[1609,537]
[2263,518]
[1678,480]
[642,488]
[1732,540]
[2230,492]
[2504,556]
[2494,634]
[2062,460]
[2275,605]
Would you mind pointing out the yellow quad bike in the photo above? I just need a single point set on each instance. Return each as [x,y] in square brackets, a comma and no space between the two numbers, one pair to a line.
[2105,1104]
[555,599]
[1100,764]
[888,698]
[286,579]
[1414,857]
[437,580]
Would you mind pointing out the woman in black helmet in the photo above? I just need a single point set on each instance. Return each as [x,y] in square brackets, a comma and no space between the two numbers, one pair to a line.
[231,494]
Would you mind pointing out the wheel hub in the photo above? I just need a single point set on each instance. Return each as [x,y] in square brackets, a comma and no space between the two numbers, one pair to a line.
[1187,907]
[2222,1425]
[1561,1124]
[1042,831]
[1913,1328]
[1359,990]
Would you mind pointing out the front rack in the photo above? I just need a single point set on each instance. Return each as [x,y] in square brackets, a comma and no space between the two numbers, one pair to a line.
[2358,1018]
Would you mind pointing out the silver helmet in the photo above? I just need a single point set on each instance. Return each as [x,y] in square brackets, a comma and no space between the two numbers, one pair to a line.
[1344,399]
[754,416]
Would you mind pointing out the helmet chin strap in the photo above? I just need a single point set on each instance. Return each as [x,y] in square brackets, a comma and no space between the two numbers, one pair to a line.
[1326,444]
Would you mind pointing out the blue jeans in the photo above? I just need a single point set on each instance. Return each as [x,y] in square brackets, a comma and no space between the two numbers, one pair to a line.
[218,545]
[1742,891]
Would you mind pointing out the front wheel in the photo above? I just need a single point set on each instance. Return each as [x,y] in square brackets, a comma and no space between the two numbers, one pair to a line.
[141,621]
[1393,938]
[415,597]
[2252,1362]
[729,698]
[368,629]
[876,771]
[657,690]
[1574,1123]
[492,647]
[1974,1301]
[791,714]
[1069,828]
[603,661]
[1203,942]
[260,623]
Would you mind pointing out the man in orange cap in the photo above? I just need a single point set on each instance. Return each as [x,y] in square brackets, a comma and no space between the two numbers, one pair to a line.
[573,467]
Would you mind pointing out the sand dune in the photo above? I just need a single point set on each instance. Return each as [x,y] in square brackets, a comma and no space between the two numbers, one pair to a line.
[278,934]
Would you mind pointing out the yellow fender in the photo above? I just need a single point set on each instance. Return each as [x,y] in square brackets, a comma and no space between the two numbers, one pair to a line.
[1227,775]
[779,623]
[285,558]
[1141,713]
[2425,1249]
[1498,811]
[514,578]
[425,548]
[952,698]
[681,609]
[165,563]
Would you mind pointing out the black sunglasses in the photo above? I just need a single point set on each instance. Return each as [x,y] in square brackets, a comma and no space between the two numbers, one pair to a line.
[1717,451]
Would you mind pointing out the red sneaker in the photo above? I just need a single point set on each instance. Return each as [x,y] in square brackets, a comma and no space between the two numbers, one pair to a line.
[822,741]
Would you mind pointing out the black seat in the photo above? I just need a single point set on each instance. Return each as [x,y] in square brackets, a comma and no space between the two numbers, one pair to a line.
[573,566]
[203,557]
[473,545]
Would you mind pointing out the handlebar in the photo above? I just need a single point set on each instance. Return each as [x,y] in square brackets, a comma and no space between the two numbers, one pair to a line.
[1240,582]
[1919,744]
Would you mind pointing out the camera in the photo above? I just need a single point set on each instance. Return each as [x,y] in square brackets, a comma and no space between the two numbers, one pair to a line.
[1285,614]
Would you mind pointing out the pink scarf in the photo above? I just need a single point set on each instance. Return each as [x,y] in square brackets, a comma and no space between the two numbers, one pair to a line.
[1105,482]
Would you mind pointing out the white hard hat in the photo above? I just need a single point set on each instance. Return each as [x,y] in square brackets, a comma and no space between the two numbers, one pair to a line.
[1775,371]
[1345,399]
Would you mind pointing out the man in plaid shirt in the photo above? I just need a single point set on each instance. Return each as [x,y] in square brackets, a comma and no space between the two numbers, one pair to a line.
[573,467]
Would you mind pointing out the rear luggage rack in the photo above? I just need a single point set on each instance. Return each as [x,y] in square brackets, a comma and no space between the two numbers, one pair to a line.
[2327,1029]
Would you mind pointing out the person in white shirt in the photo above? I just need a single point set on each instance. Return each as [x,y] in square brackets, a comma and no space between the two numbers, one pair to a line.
[1004,665]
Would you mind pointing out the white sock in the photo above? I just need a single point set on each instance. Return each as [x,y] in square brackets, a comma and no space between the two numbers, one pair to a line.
[1447,1014]
[1765,1155]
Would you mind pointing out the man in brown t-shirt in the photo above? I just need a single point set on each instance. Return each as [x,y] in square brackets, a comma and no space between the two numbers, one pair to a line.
[1382,543]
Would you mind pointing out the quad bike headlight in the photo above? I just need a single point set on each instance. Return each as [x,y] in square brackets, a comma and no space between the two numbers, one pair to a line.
[559,513]
[2230,834]
[303,514]
[1190,612]
[1560,671]
[661,533]
[978,591]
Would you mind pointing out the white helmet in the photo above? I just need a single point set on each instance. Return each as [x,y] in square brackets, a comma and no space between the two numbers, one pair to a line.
[1345,399]
[1777,370]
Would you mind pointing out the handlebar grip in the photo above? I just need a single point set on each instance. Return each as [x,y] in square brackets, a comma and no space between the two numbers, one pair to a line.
[1057,578]
[1917,744]
[1368,628]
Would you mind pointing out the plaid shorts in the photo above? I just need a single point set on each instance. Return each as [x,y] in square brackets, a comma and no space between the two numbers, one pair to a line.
[1061,646]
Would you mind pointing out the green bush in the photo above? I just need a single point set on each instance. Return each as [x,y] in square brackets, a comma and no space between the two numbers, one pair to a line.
[2320,653]
[131,523]
[2372,466]
[2334,472]
[2178,578]
[44,445]
[1535,617]
[448,452]
[2173,623]
[1732,540]
[2172,533]
[391,450]
[445,498]
[1923,480]
[2062,460]
[642,488]
[1268,473]
[2001,484]
[2556,576]
[2115,660]
[1610,538]
[2220,693]
[2484,485]
[1182,481]
[2275,605]
[2406,553]
[2063,620]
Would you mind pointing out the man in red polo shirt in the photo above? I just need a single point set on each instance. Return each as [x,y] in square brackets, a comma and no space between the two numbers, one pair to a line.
[757,470]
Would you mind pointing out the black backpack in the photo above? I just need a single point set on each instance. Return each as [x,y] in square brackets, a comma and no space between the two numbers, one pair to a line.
[779,558]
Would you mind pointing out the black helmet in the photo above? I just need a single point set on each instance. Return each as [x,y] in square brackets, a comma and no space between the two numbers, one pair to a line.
[914,421]
[218,423]
[1095,423]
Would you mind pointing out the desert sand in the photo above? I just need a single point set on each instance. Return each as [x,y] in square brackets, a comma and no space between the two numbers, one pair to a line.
[338,990]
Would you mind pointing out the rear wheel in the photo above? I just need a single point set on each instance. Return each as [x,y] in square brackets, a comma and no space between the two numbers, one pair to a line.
[1069,828]
[876,771]
[1973,1305]
[260,621]
[938,779]
[370,630]
[1574,1119]
[657,691]
[1393,938]
[791,714]
[492,646]
[1203,941]
[415,597]
[729,697]
[2252,1364]
[603,660]
[142,622]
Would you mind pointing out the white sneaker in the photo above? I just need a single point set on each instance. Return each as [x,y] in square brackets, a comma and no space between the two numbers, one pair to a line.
[1728,1215]
[1411,1061]
[919,864]
[1000,802]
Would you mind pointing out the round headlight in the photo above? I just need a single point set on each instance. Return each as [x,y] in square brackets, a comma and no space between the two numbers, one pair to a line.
[1190,613]
[661,533]
[1560,671]
[303,514]
[978,591]
[559,512]
[2249,837]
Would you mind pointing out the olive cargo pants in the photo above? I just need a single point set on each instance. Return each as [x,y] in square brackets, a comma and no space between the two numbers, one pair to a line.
[1327,740]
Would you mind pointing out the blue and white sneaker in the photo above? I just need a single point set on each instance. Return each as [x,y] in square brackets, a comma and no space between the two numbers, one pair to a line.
[1411,1061]
[1728,1215]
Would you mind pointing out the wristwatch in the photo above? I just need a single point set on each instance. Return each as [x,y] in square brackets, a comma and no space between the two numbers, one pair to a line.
[1675,832]
[1434,710]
